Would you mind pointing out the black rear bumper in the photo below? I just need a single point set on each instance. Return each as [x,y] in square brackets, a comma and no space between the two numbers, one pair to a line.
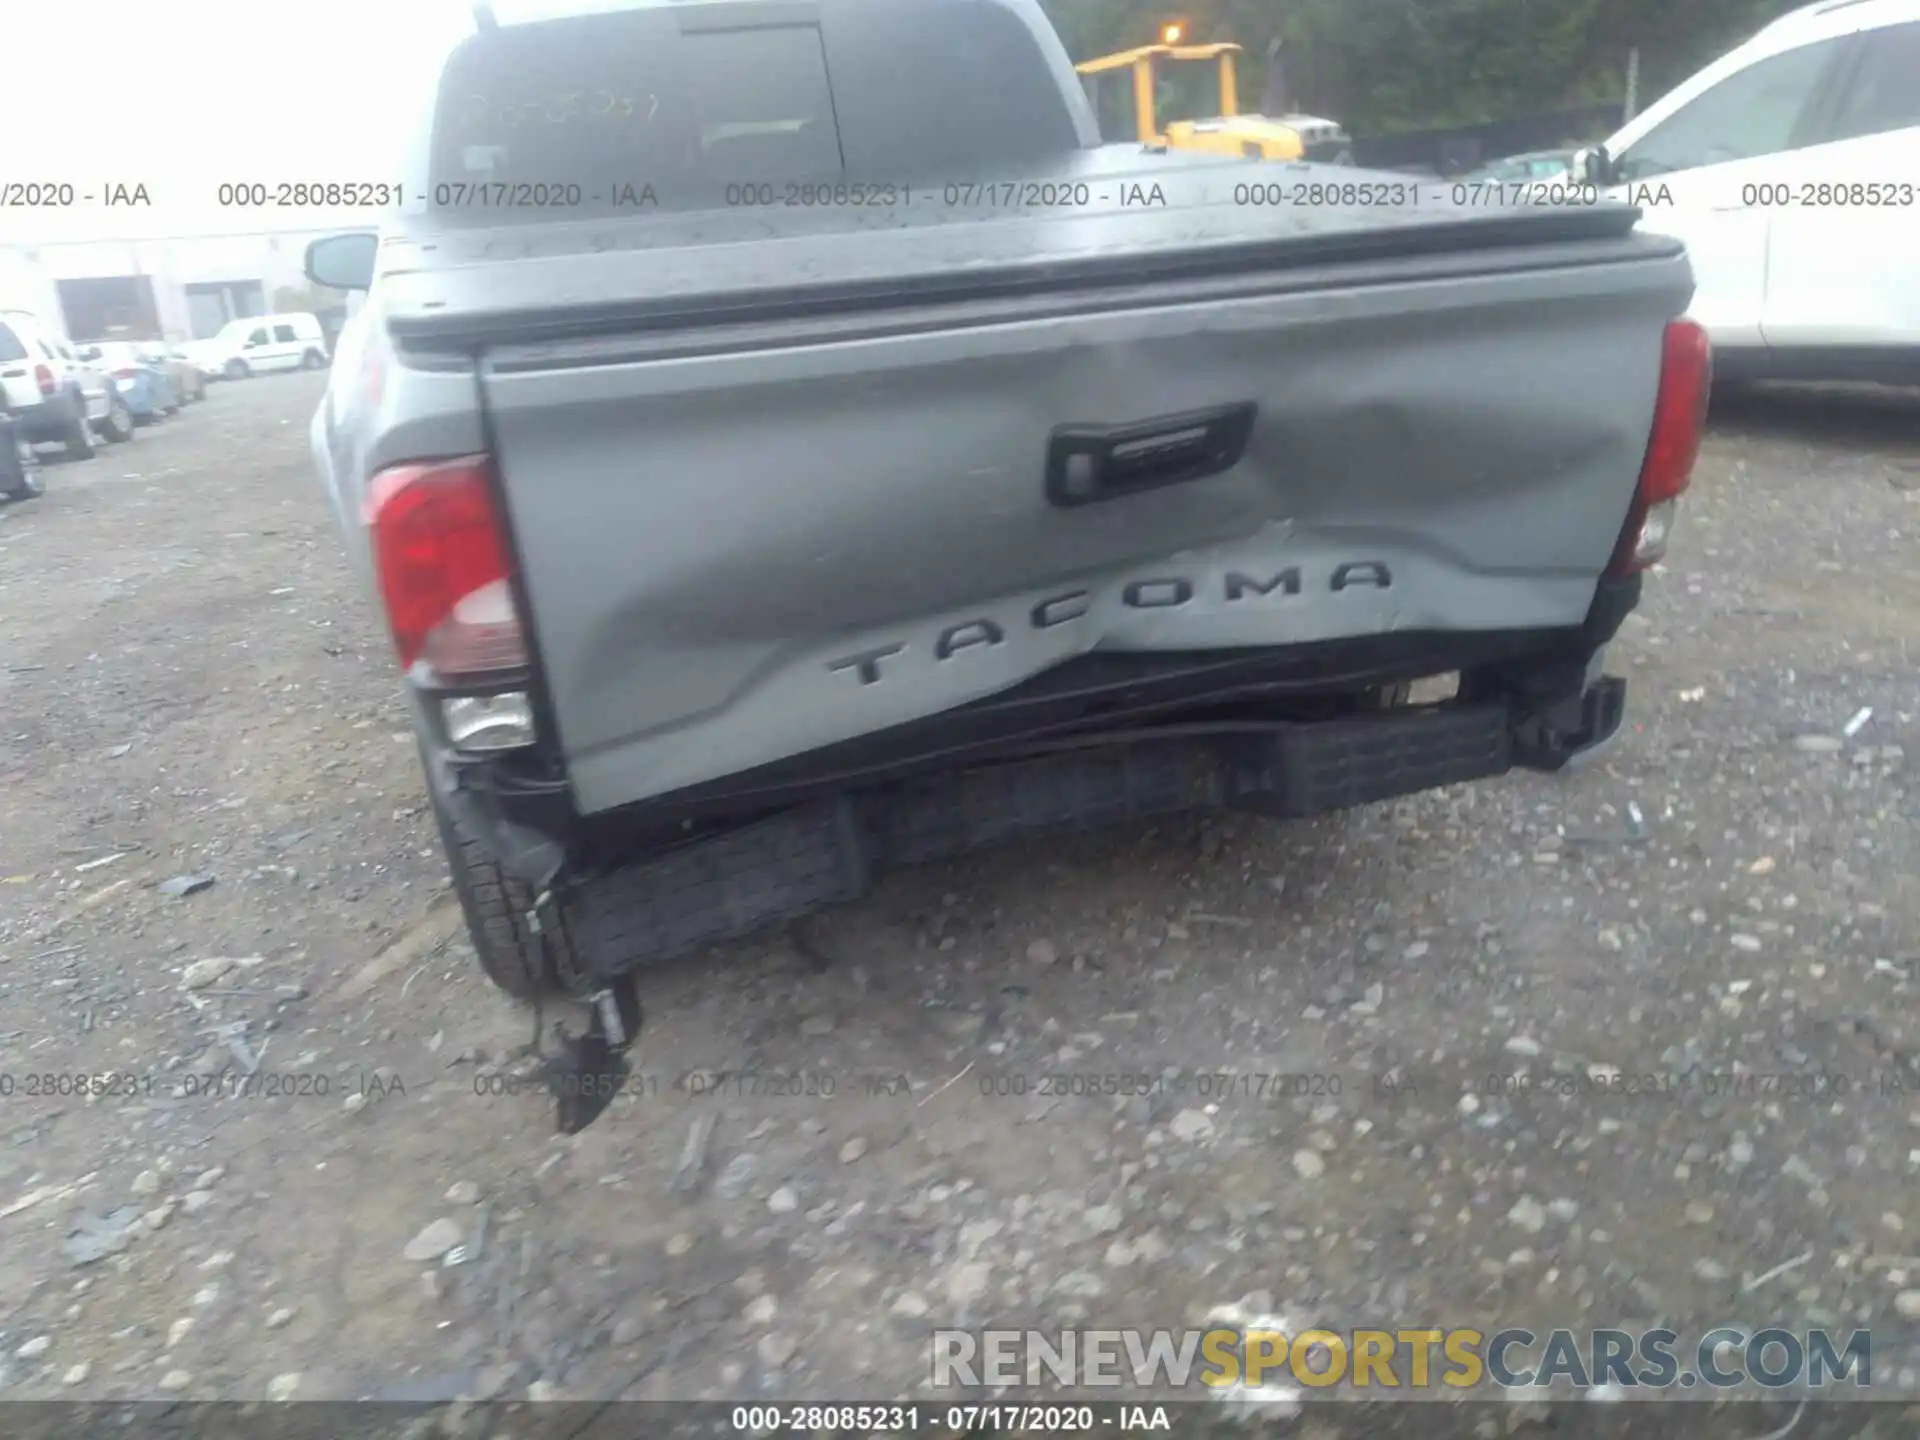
[735,883]
[1109,738]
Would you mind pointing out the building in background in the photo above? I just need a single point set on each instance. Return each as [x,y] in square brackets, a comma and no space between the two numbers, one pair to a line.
[164,289]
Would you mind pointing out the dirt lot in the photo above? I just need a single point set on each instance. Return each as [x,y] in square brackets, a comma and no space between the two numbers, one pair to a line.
[192,685]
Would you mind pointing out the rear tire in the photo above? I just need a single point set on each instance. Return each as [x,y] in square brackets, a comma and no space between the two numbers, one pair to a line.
[238,370]
[312,360]
[525,965]
[30,483]
[78,441]
[119,424]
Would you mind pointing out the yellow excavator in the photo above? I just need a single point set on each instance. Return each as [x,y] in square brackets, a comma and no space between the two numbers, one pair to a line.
[1135,91]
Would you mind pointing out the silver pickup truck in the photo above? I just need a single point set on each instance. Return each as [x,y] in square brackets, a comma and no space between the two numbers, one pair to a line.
[787,444]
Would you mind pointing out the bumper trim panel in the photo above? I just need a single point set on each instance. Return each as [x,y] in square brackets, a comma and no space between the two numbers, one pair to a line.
[727,886]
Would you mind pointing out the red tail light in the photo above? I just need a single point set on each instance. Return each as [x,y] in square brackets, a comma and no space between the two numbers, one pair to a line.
[441,555]
[43,377]
[1679,417]
[129,373]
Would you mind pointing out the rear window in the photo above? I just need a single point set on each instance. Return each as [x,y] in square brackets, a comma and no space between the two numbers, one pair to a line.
[544,120]
[10,346]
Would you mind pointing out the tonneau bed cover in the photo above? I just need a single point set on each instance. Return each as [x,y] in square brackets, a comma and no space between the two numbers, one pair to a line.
[1146,217]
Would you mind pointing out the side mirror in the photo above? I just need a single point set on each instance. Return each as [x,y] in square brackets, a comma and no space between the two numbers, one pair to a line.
[1592,166]
[343,262]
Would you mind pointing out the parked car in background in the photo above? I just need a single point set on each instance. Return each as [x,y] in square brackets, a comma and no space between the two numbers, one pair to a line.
[264,343]
[206,356]
[54,395]
[1787,167]
[1539,165]
[145,388]
[19,467]
[188,382]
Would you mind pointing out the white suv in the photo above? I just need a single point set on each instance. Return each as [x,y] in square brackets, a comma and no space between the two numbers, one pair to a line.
[1788,169]
[54,396]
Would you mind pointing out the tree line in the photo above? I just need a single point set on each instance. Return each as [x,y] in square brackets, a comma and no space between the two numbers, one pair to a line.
[1387,66]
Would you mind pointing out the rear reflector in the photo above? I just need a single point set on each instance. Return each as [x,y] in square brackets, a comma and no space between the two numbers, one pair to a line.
[1679,418]
[441,556]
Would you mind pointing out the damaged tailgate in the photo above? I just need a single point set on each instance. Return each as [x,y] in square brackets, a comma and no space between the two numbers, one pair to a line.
[776,487]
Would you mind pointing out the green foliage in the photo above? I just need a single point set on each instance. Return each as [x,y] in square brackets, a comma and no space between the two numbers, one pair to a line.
[1381,66]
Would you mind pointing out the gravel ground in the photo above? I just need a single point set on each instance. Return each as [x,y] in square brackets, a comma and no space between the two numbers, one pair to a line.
[192,686]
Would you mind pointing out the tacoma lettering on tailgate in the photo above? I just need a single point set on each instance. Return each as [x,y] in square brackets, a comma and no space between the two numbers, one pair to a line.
[1161,592]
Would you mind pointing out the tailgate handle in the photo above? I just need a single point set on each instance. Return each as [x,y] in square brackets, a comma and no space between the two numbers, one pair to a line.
[1086,464]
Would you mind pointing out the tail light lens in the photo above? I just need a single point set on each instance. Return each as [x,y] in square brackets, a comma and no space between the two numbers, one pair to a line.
[43,377]
[1679,418]
[441,556]
[126,373]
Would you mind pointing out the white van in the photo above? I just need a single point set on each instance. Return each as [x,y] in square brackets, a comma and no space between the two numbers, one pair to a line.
[1788,168]
[262,343]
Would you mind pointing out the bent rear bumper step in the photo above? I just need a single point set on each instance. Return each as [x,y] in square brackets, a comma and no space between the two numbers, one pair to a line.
[778,869]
